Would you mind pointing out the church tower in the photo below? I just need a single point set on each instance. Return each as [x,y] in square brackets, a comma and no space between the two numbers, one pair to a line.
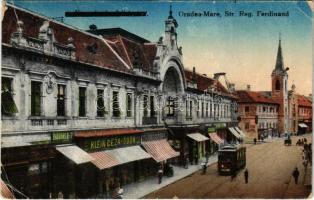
[279,91]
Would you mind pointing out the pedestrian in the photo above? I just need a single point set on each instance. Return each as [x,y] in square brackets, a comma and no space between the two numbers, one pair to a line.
[160,174]
[196,159]
[204,168]
[296,174]
[254,140]
[233,174]
[246,176]
[186,162]
[207,156]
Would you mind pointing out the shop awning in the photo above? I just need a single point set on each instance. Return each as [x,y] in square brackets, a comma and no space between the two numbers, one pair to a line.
[160,150]
[197,137]
[302,125]
[235,133]
[215,138]
[103,160]
[74,153]
[128,154]
[5,191]
[240,131]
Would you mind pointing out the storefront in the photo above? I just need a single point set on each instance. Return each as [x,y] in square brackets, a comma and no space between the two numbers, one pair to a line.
[196,143]
[215,141]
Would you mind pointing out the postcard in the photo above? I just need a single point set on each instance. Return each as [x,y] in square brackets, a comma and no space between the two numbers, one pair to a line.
[156,99]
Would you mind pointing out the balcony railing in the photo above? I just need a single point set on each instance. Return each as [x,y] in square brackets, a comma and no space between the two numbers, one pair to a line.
[149,120]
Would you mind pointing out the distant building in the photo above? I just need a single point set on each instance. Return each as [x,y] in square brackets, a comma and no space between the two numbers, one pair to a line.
[258,114]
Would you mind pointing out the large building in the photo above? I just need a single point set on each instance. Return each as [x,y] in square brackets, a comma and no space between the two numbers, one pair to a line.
[258,114]
[85,111]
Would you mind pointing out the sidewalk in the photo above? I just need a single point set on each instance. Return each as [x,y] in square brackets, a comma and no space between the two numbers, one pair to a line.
[138,190]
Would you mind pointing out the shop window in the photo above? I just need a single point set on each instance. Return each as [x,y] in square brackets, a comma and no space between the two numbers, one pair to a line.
[82,101]
[170,107]
[100,103]
[35,98]
[38,168]
[145,105]
[7,102]
[115,104]
[129,104]
[61,100]
[152,106]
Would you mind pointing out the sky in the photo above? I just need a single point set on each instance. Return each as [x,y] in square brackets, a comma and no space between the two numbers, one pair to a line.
[243,47]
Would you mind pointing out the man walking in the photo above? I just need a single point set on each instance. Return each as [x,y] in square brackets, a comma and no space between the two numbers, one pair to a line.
[296,174]
[160,174]
[246,176]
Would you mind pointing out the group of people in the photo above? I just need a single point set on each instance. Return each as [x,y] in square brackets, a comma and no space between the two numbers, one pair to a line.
[306,157]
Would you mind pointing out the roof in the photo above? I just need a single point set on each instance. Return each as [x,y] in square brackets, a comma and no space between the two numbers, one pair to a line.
[304,101]
[103,133]
[104,54]
[5,191]
[118,31]
[254,97]
[203,83]
[133,53]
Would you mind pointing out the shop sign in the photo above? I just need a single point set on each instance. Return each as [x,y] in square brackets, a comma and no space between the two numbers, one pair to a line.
[211,129]
[220,125]
[111,142]
[60,137]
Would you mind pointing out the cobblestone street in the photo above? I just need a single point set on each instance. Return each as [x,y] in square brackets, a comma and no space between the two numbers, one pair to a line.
[270,168]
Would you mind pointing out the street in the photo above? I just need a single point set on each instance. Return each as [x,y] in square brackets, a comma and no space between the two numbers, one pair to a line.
[270,167]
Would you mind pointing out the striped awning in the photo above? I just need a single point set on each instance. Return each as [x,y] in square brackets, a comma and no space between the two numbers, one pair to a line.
[5,191]
[74,153]
[240,131]
[235,133]
[160,150]
[215,138]
[302,125]
[103,160]
[110,158]
[197,137]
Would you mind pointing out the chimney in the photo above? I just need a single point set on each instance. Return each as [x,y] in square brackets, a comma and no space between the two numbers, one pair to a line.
[231,87]
[194,76]
[205,75]
[248,87]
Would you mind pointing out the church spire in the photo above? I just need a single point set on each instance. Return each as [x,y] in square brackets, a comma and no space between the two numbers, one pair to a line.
[170,13]
[279,62]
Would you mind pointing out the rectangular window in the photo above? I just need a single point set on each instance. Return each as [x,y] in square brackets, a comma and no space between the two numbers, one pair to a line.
[7,102]
[61,100]
[82,101]
[247,109]
[202,109]
[264,109]
[186,108]
[206,109]
[115,104]
[145,105]
[247,126]
[35,98]
[170,106]
[198,109]
[129,104]
[191,108]
[152,106]
[100,103]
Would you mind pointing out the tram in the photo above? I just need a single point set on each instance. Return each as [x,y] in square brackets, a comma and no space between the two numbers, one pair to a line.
[230,159]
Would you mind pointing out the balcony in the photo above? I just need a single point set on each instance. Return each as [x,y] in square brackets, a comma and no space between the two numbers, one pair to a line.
[149,120]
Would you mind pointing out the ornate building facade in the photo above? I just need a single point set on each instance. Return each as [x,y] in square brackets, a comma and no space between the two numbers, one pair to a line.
[85,111]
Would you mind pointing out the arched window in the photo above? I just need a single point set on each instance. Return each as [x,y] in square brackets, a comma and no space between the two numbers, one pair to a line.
[277,85]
